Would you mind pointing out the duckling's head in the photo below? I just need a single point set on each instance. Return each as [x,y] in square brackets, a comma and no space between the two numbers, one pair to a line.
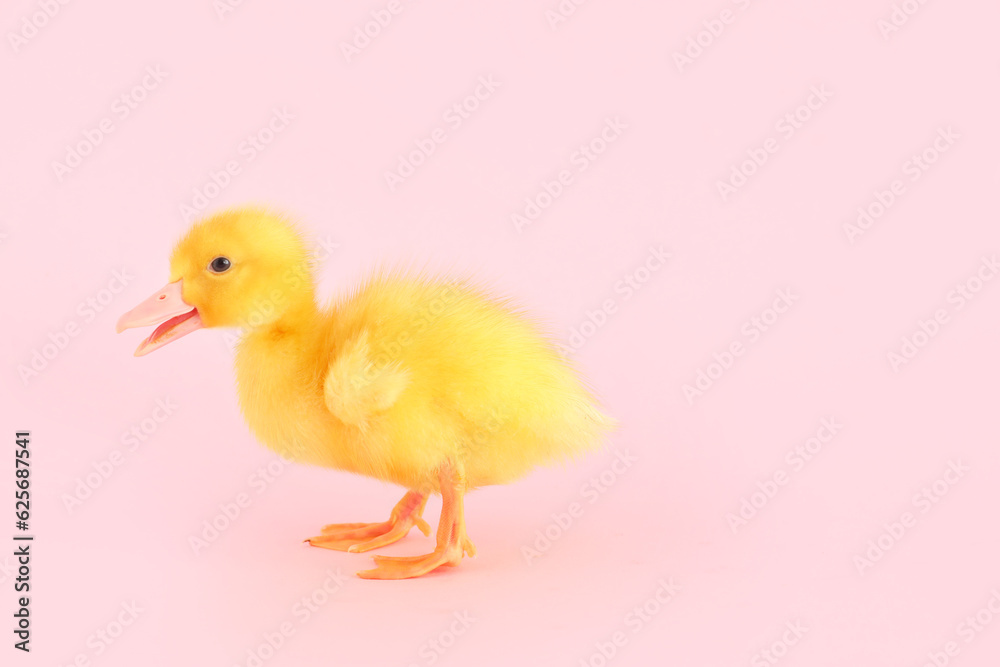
[239,268]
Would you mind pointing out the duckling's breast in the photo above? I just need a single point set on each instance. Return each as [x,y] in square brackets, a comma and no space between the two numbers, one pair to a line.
[281,395]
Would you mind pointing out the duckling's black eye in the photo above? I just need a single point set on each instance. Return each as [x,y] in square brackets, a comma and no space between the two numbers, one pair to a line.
[220,265]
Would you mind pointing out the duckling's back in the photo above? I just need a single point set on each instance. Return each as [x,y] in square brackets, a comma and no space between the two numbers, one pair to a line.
[425,371]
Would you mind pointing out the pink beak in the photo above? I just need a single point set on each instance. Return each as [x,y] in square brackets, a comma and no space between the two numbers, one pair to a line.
[167,308]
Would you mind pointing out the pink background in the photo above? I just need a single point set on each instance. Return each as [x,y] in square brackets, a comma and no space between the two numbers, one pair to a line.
[666,517]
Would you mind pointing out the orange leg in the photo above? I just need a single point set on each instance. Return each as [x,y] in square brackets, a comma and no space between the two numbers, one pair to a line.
[452,541]
[357,537]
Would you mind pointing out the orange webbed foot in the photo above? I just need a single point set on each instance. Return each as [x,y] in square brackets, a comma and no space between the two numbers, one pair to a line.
[452,541]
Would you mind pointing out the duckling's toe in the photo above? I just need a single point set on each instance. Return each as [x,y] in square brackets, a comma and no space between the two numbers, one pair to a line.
[407,567]
[359,537]
[346,536]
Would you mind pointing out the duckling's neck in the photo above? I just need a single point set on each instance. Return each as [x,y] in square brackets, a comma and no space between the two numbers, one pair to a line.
[298,317]
[278,371]
[276,353]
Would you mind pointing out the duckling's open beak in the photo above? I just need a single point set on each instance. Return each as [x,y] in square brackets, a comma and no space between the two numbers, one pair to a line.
[168,309]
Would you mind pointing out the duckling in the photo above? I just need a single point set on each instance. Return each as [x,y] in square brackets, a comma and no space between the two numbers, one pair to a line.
[431,384]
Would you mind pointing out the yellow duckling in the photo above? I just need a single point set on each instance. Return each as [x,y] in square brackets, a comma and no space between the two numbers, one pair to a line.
[433,385]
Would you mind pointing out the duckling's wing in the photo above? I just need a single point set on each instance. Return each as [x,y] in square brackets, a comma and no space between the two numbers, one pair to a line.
[358,387]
